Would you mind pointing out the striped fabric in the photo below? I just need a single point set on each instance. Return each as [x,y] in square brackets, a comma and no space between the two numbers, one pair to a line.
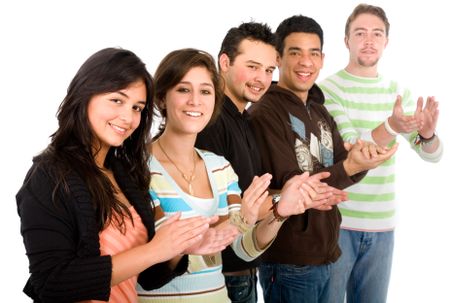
[359,105]
[204,281]
[112,242]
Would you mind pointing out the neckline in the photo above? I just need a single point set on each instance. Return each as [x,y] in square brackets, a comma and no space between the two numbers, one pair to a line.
[153,161]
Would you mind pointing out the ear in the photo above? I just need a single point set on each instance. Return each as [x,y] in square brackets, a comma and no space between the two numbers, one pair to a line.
[387,41]
[224,62]
[162,104]
[346,42]
[278,60]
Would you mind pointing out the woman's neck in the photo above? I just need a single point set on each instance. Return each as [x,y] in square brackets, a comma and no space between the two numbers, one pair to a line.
[179,147]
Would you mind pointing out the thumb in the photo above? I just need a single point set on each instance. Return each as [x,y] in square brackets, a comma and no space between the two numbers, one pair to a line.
[398,105]
[348,146]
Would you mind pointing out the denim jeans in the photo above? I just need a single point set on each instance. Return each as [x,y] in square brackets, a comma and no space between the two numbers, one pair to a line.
[291,283]
[242,289]
[364,268]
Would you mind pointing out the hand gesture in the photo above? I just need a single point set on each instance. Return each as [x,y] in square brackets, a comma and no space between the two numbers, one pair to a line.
[254,197]
[293,199]
[365,155]
[401,123]
[175,235]
[214,240]
[322,196]
[428,116]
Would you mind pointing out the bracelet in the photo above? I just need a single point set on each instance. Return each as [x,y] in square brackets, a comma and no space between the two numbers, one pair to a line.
[239,221]
[424,141]
[389,128]
[275,199]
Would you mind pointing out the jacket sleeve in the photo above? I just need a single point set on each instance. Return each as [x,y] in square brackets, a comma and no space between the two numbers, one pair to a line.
[60,270]
[160,274]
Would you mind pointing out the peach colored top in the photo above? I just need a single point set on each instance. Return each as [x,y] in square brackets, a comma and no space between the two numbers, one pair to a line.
[112,242]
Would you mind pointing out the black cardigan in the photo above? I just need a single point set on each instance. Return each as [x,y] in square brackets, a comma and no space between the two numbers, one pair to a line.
[61,238]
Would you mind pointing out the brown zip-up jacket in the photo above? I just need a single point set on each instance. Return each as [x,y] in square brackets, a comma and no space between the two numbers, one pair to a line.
[294,138]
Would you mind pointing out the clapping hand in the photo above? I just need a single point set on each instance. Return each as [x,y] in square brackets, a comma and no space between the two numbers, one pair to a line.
[254,197]
[428,116]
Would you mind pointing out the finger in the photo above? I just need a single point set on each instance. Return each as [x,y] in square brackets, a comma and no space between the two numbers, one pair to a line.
[256,188]
[366,153]
[213,219]
[319,176]
[419,106]
[373,151]
[348,146]
[398,110]
[171,219]
[308,190]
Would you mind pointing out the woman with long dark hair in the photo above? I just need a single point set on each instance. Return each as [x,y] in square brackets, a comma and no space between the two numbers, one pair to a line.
[86,214]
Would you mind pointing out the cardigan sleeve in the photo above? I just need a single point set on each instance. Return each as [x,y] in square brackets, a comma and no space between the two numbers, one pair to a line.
[61,269]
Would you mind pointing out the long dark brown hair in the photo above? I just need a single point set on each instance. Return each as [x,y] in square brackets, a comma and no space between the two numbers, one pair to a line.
[71,147]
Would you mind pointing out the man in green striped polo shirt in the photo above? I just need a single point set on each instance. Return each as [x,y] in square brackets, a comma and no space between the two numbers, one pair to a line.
[368,106]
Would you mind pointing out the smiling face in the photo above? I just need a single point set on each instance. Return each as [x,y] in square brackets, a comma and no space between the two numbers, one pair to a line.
[114,116]
[366,42]
[249,76]
[190,103]
[301,62]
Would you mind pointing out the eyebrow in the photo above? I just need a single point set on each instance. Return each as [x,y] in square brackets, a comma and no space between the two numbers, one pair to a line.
[259,64]
[203,83]
[295,48]
[365,29]
[126,96]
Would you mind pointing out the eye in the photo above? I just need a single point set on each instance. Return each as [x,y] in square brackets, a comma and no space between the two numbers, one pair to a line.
[138,108]
[182,89]
[269,71]
[118,101]
[205,92]
[253,67]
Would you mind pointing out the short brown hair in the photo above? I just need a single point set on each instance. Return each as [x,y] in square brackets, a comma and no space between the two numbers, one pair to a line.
[367,9]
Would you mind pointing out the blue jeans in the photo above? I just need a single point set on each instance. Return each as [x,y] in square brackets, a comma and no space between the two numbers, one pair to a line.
[364,268]
[242,289]
[291,283]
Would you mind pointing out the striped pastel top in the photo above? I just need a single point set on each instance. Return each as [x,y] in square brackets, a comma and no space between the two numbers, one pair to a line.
[359,105]
[112,242]
[203,281]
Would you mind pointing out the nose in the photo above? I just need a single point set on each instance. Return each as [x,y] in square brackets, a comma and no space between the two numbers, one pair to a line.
[305,60]
[126,115]
[195,98]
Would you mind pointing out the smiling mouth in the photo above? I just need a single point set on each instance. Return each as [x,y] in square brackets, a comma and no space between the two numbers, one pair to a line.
[255,89]
[303,75]
[193,114]
[118,129]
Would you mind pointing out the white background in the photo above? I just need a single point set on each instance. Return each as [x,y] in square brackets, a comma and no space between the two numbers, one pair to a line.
[43,43]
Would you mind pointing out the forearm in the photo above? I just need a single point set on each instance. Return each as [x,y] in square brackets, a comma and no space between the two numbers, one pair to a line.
[267,230]
[381,136]
[133,261]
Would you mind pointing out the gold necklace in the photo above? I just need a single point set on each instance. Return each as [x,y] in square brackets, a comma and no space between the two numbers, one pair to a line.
[185,177]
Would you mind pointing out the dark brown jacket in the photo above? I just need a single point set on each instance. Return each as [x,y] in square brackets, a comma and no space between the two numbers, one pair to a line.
[293,138]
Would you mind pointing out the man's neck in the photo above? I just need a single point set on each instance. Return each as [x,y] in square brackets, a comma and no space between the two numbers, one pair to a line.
[362,71]
[241,105]
[303,96]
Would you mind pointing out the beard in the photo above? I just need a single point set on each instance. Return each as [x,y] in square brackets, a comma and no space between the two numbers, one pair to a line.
[368,63]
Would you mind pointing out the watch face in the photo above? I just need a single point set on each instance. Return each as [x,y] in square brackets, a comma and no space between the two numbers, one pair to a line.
[276,198]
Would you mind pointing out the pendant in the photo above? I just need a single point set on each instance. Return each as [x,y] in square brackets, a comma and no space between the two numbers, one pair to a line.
[191,190]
